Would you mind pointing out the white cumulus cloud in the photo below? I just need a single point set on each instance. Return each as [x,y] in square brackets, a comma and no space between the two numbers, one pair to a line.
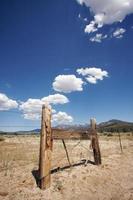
[119,32]
[55,99]
[67,83]
[32,107]
[92,74]
[91,79]
[32,116]
[90,28]
[98,38]
[106,12]
[62,118]
[6,103]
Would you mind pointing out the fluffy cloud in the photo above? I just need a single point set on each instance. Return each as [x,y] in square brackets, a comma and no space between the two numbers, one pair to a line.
[32,107]
[91,79]
[6,103]
[92,74]
[85,19]
[106,12]
[67,83]
[55,99]
[90,28]
[98,38]
[62,118]
[119,32]
[32,116]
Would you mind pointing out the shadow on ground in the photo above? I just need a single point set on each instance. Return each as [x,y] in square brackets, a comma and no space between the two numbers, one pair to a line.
[84,162]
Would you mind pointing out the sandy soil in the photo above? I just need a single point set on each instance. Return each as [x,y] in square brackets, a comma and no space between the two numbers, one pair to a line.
[113,180]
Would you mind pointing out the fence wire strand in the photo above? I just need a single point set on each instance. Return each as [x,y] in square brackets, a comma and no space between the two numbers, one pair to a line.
[78,144]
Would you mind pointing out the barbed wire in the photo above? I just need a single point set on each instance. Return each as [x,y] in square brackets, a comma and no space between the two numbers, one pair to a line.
[77,144]
[63,157]
[32,126]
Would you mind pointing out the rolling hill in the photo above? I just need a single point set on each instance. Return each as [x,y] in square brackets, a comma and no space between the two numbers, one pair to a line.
[115,125]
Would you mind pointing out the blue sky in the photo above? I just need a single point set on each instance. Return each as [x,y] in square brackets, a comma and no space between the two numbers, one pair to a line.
[43,40]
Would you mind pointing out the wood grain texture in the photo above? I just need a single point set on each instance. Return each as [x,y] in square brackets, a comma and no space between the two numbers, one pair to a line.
[95,142]
[45,148]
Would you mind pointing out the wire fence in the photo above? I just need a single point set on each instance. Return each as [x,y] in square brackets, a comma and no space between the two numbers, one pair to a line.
[77,152]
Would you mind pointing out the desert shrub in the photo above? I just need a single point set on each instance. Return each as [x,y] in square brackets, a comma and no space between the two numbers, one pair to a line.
[109,134]
[105,133]
[2,139]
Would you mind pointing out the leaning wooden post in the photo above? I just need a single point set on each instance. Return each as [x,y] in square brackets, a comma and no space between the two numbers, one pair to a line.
[45,148]
[66,152]
[120,142]
[95,143]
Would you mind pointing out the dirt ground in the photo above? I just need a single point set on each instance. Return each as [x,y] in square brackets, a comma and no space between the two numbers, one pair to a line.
[113,180]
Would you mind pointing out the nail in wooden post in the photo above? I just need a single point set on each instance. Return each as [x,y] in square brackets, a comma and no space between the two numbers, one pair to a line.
[45,148]
[95,143]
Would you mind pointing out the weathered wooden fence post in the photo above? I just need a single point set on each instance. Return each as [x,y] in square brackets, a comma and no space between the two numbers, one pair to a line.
[66,152]
[120,142]
[45,148]
[95,142]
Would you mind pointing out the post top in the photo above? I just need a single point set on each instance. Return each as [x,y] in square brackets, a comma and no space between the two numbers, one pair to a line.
[93,119]
[46,105]
[93,123]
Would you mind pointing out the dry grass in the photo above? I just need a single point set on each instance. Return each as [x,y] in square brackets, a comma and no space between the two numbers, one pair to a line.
[112,180]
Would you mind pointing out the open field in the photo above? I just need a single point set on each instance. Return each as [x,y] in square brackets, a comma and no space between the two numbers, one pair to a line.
[113,180]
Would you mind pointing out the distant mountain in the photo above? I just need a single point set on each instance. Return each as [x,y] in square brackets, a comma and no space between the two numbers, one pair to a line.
[114,121]
[36,130]
[31,132]
[74,127]
[115,125]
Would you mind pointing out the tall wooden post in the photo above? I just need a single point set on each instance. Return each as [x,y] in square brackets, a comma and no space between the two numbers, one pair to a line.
[95,142]
[45,148]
